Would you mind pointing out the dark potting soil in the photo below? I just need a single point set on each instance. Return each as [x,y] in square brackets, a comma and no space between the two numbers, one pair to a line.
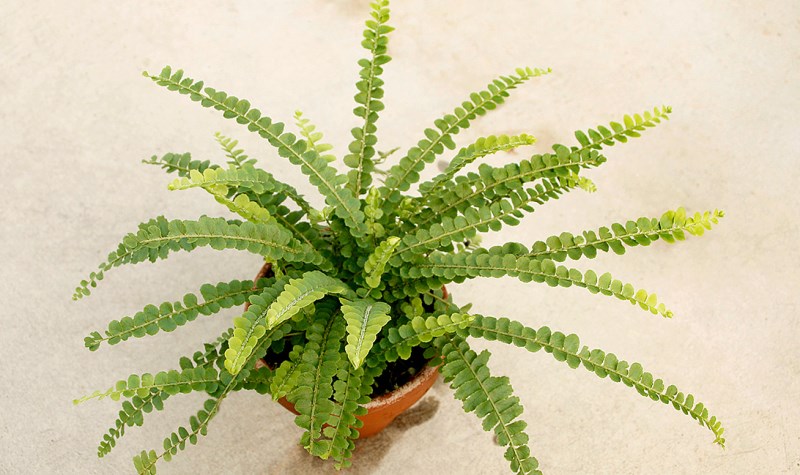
[396,374]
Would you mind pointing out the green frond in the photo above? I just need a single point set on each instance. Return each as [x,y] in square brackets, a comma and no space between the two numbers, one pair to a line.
[302,292]
[170,315]
[567,348]
[145,462]
[376,262]
[350,390]
[491,183]
[321,175]
[158,237]
[671,227]
[401,340]
[131,414]
[368,98]
[286,375]
[490,398]
[493,263]
[619,133]
[321,360]
[236,156]
[251,326]
[180,163]
[505,211]
[172,382]
[313,137]
[259,380]
[365,319]
[481,148]
[406,173]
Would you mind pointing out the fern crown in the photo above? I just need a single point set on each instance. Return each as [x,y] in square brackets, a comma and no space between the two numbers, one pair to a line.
[356,287]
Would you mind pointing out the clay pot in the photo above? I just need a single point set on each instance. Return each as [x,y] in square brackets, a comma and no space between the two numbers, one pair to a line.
[382,410]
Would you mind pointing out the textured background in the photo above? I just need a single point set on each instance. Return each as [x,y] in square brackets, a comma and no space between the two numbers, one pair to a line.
[77,118]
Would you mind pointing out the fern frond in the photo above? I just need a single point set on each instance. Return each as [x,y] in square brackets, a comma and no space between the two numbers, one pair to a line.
[131,414]
[508,210]
[376,262]
[236,156]
[146,460]
[302,292]
[170,315]
[365,319]
[567,348]
[172,382]
[493,263]
[401,340]
[492,183]
[482,147]
[286,375]
[158,237]
[321,359]
[320,174]
[313,137]
[620,133]
[251,327]
[491,398]
[180,163]
[350,390]
[406,173]
[671,227]
[370,91]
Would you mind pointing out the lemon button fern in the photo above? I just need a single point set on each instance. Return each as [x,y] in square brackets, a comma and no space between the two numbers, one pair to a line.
[357,286]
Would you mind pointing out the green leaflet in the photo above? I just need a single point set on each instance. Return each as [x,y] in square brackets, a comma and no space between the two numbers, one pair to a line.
[670,227]
[482,263]
[620,133]
[491,398]
[406,173]
[401,340]
[376,262]
[365,319]
[320,174]
[320,361]
[567,348]
[158,237]
[236,156]
[251,327]
[368,98]
[180,163]
[170,315]
[302,292]
[482,147]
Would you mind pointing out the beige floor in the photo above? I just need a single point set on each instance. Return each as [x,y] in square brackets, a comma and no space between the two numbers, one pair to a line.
[76,118]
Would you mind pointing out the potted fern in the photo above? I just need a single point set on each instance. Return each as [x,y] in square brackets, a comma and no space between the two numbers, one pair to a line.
[351,304]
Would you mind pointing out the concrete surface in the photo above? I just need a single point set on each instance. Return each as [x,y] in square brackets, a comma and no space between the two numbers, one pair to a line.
[77,118]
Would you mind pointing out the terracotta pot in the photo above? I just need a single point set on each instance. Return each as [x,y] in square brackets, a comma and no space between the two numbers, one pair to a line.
[382,410]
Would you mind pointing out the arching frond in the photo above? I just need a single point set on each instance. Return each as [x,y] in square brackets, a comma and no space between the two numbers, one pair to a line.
[302,292]
[170,315]
[158,237]
[481,148]
[490,398]
[320,174]
[406,173]
[401,340]
[567,348]
[172,382]
[491,263]
[368,98]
